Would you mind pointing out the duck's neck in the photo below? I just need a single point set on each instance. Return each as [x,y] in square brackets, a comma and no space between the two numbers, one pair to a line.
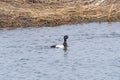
[65,43]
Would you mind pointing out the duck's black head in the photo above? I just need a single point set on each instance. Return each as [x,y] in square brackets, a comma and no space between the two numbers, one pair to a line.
[66,37]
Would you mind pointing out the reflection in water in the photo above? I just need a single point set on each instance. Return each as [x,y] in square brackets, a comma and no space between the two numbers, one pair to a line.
[65,49]
[25,54]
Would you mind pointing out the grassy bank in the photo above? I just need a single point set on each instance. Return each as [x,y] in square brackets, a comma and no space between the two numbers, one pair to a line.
[25,13]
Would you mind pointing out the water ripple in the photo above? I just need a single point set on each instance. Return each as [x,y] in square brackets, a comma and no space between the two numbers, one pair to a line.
[93,53]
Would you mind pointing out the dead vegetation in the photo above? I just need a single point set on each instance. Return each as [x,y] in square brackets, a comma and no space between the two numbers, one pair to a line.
[25,13]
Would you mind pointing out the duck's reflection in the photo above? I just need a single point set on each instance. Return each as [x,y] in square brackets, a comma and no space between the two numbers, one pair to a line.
[65,49]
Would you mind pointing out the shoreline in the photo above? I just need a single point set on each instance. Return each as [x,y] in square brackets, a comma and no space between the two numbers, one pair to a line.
[24,14]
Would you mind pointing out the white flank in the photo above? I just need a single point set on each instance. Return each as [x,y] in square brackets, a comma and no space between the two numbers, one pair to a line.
[59,46]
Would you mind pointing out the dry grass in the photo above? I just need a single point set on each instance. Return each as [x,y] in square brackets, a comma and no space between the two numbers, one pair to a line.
[25,14]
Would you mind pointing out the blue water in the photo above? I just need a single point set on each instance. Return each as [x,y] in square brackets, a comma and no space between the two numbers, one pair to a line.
[93,53]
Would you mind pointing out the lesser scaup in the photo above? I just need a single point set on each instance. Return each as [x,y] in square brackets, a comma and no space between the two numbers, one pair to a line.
[64,43]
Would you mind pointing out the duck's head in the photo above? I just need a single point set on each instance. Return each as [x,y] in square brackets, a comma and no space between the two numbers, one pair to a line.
[66,37]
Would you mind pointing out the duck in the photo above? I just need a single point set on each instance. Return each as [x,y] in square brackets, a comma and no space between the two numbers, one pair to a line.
[64,45]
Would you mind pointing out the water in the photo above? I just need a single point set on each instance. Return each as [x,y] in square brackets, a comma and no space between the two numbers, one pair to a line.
[93,53]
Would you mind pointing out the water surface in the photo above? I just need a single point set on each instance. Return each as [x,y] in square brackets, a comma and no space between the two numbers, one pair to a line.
[93,53]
